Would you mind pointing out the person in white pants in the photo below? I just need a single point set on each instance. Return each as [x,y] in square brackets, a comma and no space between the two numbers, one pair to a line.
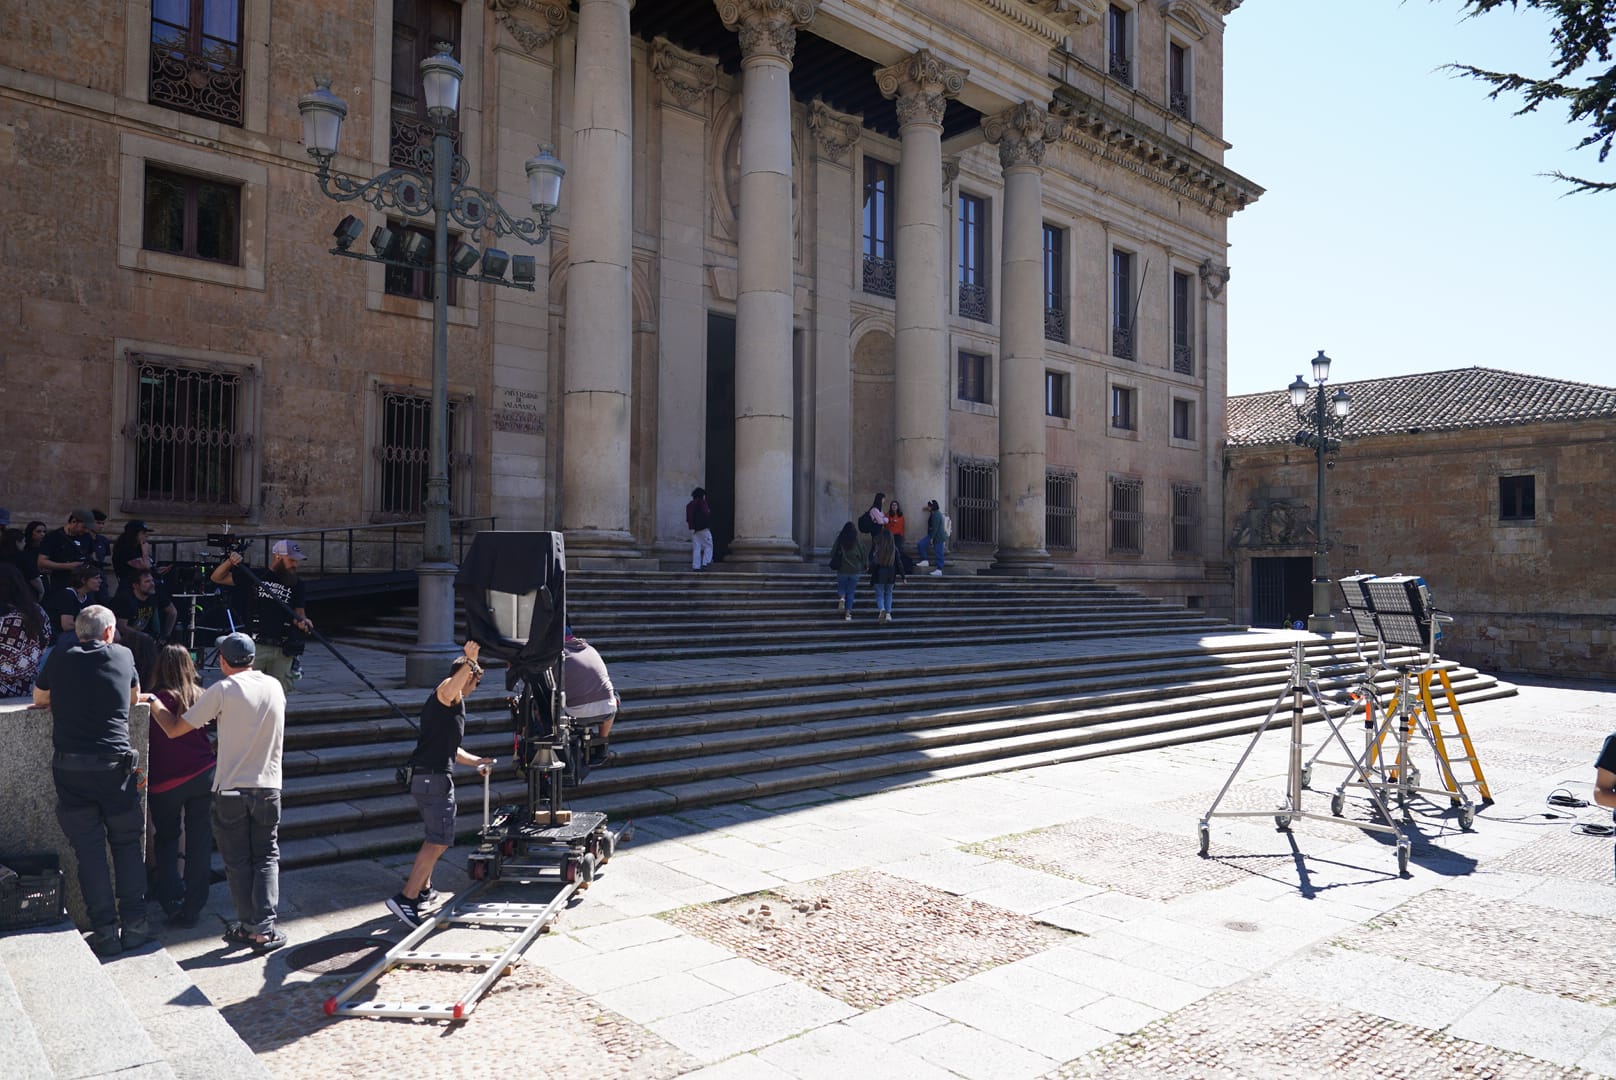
[698,518]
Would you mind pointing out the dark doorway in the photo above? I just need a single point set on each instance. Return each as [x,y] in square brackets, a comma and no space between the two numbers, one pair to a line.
[1281,591]
[720,483]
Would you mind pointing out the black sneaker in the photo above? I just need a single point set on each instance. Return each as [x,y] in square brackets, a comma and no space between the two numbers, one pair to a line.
[406,909]
[428,896]
[136,933]
[103,941]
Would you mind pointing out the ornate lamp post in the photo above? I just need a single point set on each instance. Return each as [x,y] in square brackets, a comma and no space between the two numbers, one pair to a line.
[1324,422]
[433,186]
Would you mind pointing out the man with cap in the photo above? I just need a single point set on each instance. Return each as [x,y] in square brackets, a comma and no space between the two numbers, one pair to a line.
[249,708]
[66,549]
[272,606]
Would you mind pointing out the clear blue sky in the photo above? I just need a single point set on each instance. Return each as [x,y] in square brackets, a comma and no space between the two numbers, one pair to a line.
[1405,227]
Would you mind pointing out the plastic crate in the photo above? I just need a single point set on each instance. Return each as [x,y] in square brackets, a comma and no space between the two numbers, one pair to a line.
[31,894]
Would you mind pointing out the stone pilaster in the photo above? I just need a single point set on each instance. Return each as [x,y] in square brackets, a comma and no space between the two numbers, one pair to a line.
[921,84]
[764,406]
[1021,134]
[598,380]
[684,82]
[1213,342]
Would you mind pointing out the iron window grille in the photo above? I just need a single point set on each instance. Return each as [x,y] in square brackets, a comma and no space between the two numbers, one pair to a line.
[1122,305]
[1127,498]
[976,502]
[402,454]
[195,60]
[1057,394]
[1186,519]
[1123,413]
[1183,420]
[975,378]
[880,277]
[1060,511]
[974,299]
[189,441]
[1183,325]
[880,268]
[1120,60]
[1055,284]
[1517,498]
[1178,80]
[418,25]
[191,216]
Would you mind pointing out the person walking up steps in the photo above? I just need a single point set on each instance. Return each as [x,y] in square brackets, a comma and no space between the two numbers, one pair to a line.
[883,572]
[849,557]
[699,519]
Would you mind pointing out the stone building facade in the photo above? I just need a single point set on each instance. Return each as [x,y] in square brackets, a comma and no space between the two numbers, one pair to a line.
[1498,488]
[970,250]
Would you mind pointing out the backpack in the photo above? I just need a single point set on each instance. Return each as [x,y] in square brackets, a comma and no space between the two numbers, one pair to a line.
[866,524]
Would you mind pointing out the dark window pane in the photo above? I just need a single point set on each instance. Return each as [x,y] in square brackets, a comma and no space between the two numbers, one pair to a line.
[165,212]
[217,210]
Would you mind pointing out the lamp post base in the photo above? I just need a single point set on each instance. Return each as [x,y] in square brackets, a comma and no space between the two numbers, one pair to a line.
[1321,624]
[427,662]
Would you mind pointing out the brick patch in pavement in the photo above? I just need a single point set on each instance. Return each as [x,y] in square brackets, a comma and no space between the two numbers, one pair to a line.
[290,1034]
[1249,1032]
[1562,854]
[1125,858]
[868,938]
[1548,951]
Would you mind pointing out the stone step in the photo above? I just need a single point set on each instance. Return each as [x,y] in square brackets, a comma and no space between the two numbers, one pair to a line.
[188,1031]
[20,1048]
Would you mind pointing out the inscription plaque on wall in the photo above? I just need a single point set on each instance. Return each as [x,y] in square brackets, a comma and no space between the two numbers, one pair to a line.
[518,411]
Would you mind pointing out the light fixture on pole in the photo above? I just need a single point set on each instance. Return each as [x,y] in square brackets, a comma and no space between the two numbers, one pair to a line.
[1324,422]
[432,188]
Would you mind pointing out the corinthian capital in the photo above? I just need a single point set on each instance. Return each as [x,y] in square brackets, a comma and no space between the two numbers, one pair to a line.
[1213,279]
[533,23]
[685,76]
[922,85]
[767,28]
[834,132]
[1021,133]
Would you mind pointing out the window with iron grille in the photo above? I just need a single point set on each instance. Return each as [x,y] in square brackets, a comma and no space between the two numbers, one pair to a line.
[880,268]
[1183,419]
[191,216]
[403,455]
[1124,408]
[1183,324]
[1186,519]
[1122,304]
[415,282]
[418,26]
[1060,511]
[975,378]
[195,61]
[976,501]
[1055,284]
[1178,80]
[190,439]
[1517,498]
[1057,394]
[974,301]
[1127,516]
[1119,50]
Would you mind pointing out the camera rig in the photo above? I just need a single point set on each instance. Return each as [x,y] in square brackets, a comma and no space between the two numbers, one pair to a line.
[512,586]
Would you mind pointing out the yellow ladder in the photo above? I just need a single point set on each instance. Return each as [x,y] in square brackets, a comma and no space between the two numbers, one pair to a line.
[1426,713]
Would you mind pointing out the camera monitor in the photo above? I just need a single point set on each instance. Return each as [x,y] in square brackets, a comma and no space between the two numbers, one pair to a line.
[1358,605]
[512,586]
[1403,609]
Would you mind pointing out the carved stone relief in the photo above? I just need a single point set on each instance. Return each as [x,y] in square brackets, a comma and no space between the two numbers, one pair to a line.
[1273,523]
[834,132]
[921,84]
[1022,132]
[532,23]
[686,77]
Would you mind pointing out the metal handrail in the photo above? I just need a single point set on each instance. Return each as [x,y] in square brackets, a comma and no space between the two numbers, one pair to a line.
[200,552]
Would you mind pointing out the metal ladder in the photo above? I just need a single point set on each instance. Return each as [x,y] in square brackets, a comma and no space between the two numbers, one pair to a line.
[1424,712]
[466,909]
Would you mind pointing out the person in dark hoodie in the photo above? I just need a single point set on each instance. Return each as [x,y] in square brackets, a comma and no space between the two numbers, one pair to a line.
[699,519]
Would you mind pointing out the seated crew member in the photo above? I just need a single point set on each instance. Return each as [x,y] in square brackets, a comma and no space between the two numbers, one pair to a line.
[64,604]
[591,698]
[272,604]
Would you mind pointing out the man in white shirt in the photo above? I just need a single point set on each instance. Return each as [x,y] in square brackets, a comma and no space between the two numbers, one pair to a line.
[250,708]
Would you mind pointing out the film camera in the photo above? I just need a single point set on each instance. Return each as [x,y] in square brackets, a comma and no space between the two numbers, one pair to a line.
[228,542]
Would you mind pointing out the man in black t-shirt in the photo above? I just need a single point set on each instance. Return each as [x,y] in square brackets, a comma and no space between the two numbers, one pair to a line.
[63,605]
[89,688]
[66,548]
[1605,777]
[272,605]
[137,604]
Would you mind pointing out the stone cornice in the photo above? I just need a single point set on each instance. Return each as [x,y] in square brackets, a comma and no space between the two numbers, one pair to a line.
[1113,136]
[834,132]
[551,20]
[1049,19]
[684,76]
[922,84]
[767,28]
[1224,7]
[1020,132]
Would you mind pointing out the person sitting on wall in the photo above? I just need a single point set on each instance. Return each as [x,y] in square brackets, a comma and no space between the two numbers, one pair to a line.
[591,698]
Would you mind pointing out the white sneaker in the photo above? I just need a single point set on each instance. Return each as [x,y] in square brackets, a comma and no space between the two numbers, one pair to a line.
[847,616]
[936,573]
[889,616]
[922,562]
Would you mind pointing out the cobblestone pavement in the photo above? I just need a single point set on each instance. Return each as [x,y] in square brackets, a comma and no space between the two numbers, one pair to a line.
[1053,922]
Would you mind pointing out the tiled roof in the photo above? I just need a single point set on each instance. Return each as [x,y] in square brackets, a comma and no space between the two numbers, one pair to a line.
[1432,401]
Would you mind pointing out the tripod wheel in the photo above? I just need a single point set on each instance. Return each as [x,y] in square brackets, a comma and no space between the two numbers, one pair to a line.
[1282,822]
[1338,803]
[1467,818]
[1403,850]
[1307,776]
[1205,833]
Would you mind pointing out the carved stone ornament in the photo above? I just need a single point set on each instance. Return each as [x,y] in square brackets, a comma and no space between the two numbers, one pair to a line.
[951,169]
[922,85]
[1021,132]
[767,28]
[1214,278]
[551,20]
[685,76]
[834,132]
[1224,7]
[1273,523]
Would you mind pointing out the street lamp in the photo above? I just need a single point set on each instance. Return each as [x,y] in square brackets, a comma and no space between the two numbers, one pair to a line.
[1325,422]
[433,187]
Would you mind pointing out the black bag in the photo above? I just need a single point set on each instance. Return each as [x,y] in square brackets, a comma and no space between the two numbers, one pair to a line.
[404,775]
[866,524]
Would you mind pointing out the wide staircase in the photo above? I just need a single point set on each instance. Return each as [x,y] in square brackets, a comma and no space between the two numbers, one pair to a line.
[743,686]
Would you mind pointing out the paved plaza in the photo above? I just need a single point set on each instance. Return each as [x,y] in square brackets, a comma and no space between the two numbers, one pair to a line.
[1050,922]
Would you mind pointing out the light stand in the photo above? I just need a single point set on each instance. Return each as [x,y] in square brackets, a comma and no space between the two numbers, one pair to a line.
[1324,424]
[433,187]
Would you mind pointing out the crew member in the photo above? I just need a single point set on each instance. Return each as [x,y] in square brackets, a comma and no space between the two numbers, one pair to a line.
[89,688]
[591,697]
[437,752]
[1605,776]
[64,550]
[272,605]
[250,709]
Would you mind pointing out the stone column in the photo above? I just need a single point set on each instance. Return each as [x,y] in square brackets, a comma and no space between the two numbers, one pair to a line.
[684,88]
[1213,363]
[597,392]
[922,85]
[764,305]
[835,207]
[1021,133]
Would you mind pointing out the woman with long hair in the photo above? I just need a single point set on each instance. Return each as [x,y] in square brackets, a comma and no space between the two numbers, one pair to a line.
[849,557]
[32,537]
[895,526]
[883,572]
[24,633]
[180,792]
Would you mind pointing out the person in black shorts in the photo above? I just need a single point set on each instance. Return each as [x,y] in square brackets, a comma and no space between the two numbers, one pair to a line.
[1605,776]
[437,751]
